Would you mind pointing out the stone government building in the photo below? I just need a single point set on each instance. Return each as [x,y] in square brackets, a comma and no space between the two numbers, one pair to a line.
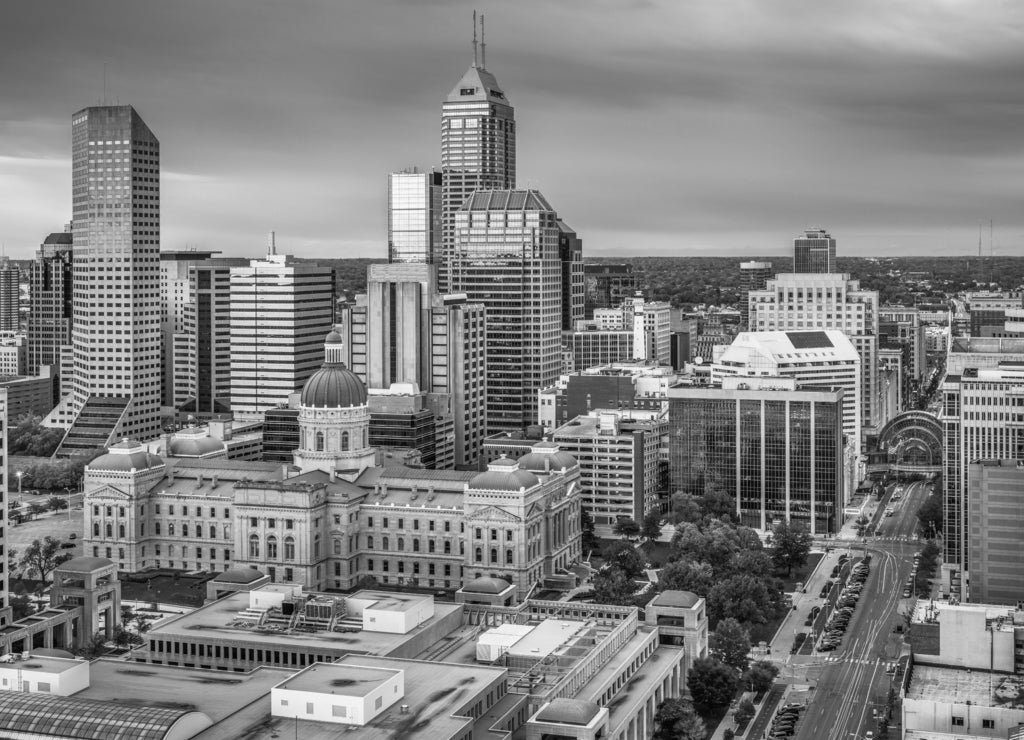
[335,516]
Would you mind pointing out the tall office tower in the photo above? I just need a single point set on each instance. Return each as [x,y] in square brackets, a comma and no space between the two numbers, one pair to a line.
[988,312]
[49,320]
[201,370]
[404,331]
[280,311]
[506,256]
[996,517]
[174,294]
[777,448]
[414,216]
[10,293]
[814,251]
[605,286]
[478,148]
[116,322]
[753,276]
[802,302]
[570,252]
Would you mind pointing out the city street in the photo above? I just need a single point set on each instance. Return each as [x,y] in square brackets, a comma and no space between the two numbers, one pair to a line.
[851,683]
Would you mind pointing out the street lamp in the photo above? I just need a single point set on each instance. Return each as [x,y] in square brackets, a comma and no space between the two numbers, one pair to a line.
[69,502]
[19,474]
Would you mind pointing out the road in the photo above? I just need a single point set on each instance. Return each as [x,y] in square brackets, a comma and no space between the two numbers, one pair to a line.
[852,682]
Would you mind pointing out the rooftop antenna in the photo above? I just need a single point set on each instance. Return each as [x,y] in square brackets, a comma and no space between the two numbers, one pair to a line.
[272,243]
[483,44]
[474,38]
[979,240]
[104,83]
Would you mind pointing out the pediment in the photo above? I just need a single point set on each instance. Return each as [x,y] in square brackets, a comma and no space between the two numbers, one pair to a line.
[107,492]
[493,514]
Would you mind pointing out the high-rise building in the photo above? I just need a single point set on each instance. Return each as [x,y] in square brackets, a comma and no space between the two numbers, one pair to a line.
[175,293]
[201,376]
[506,256]
[49,319]
[805,302]
[570,252]
[988,313]
[995,522]
[5,417]
[10,294]
[753,276]
[404,331]
[414,216]
[116,322]
[776,448]
[280,311]
[478,149]
[814,251]
[607,285]
[900,326]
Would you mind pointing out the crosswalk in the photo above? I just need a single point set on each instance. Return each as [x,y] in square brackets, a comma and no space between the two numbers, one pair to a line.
[853,661]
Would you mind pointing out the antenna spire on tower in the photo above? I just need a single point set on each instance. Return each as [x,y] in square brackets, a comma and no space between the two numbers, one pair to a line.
[483,44]
[474,38]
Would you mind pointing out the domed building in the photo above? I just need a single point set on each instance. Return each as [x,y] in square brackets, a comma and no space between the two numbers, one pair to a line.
[334,422]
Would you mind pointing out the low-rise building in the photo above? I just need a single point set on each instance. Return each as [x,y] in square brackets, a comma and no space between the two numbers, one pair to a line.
[963,704]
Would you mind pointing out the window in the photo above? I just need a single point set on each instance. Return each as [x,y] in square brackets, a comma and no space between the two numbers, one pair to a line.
[337,547]
[494,555]
[447,548]
[508,535]
[272,547]
[479,533]
[184,530]
[369,542]
[508,557]
[339,711]
[401,523]
[120,531]
[289,550]
[415,523]
[254,522]
[430,546]
[958,721]
[369,521]
[430,525]
[254,546]
[988,724]
[447,526]
[344,441]
[213,531]
[401,544]
[271,523]
[337,518]
[319,441]
[289,524]
[316,546]
[110,530]
[479,555]
[385,522]
[494,535]
[96,529]
[289,575]
[415,545]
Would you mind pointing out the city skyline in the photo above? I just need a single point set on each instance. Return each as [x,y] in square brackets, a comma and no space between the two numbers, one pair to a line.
[902,138]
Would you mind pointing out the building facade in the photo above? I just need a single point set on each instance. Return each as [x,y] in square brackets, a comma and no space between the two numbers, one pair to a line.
[814,251]
[753,276]
[10,295]
[50,291]
[607,285]
[995,520]
[280,311]
[116,278]
[777,449]
[414,216]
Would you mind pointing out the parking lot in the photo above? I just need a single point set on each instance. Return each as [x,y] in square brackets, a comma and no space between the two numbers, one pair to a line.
[59,524]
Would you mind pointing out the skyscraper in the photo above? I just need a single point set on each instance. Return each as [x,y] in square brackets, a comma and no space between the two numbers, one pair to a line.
[174,294]
[478,146]
[814,251]
[414,216]
[506,256]
[10,292]
[753,276]
[280,312]
[49,320]
[116,323]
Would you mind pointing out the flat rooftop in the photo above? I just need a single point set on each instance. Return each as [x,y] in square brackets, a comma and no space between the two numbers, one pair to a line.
[432,706]
[960,686]
[338,678]
[396,602]
[215,621]
[214,693]
[546,638]
[43,664]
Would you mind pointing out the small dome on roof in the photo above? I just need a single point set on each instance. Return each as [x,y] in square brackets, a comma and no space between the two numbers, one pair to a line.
[125,457]
[569,712]
[194,446]
[333,337]
[545,458]
[333,386]
[504,475]
[486,585]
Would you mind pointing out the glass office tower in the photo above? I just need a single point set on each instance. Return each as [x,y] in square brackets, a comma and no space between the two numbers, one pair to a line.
[414,216]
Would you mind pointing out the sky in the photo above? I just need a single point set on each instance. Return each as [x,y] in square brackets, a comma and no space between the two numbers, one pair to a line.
[675,127]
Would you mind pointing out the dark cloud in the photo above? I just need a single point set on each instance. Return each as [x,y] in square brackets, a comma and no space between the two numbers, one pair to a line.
[712,126]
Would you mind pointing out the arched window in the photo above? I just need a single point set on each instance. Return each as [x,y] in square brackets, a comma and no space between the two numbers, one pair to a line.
[415,545]
[110,530]
[120,531]
[447,548]
[369,542]
[479,555]
[95,529]
[337,547]
[508,557]
[319,441]
[385,543]
[254,546]
[184,530]
[271,547]
[494,555]
[401,543]
[170,529]
[213,531]
[289,548]
[316,546]
[344,441]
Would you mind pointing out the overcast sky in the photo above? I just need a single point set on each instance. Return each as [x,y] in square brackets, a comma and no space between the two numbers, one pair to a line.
[675,127]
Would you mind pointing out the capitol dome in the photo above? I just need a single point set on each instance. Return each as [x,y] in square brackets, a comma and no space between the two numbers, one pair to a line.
[125,457]
[333,386]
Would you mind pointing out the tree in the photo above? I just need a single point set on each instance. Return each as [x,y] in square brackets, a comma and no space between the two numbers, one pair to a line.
[677,720]
[930,514]
[56,503]
[21,607]
[760,676]
[791,544]
[711,682]
[43,557]
[744,712]
[746,598]
[686,575]
[94,646]
[730,643]
[684,508]
[621,554]
[36,508]
[588,538]
[650,529]
[30,438]
[613,586]
[13,566]
[718,503]
[142,622]
[626,527]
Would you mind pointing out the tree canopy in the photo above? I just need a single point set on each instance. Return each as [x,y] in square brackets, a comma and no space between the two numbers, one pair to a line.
[791,544]
[43,556]
[730,643]
[711,682]
[677,720]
